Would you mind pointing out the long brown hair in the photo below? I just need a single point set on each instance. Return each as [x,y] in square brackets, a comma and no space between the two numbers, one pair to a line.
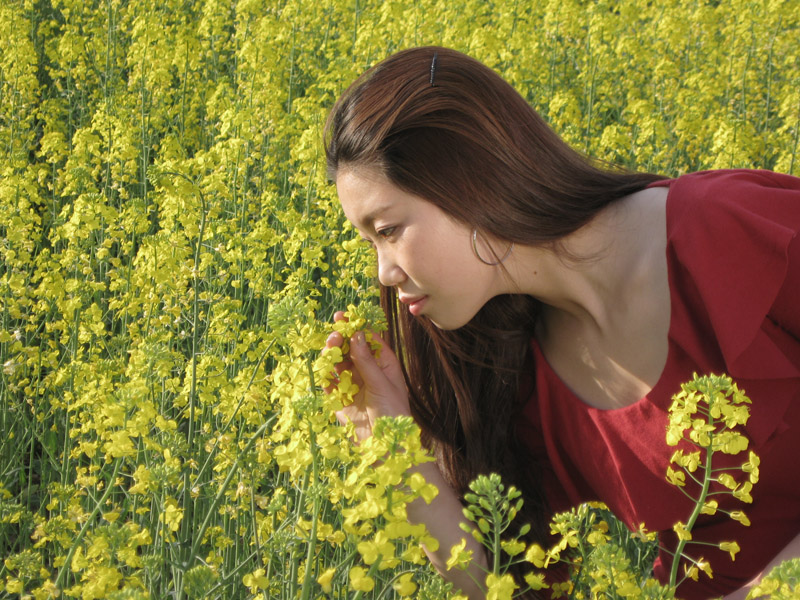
[453,132]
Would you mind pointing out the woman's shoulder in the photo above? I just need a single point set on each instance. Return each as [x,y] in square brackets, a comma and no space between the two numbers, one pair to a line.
[730,216]
[735,196]
[733,247]
[713,180]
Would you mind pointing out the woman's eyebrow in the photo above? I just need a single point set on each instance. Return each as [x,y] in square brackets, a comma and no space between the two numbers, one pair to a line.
[369,218]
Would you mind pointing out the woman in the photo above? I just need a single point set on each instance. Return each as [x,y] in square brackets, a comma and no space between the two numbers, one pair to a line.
[542,311]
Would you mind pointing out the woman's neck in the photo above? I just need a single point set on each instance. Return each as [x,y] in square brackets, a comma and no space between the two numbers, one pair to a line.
[604,270]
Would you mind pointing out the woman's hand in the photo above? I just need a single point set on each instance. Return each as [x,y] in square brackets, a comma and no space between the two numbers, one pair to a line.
[382,389]
[382,392]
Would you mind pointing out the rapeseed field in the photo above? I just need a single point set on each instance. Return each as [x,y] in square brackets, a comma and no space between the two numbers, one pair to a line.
[172,256]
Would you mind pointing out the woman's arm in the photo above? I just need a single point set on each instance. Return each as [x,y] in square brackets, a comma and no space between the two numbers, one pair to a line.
[382,392]
[792,550]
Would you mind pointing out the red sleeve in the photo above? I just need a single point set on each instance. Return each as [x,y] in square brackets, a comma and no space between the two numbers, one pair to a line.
[741,252]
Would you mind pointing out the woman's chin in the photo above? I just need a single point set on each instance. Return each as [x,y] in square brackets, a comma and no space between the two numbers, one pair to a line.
[447,324]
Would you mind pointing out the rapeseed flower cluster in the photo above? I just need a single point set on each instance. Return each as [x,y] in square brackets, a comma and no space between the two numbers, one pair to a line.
[708,413]
[171,256]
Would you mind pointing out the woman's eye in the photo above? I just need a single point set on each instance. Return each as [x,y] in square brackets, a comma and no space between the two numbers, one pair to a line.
[386,232]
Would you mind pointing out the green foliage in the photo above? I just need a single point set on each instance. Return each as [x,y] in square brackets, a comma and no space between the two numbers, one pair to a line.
[781,583]
[172,255]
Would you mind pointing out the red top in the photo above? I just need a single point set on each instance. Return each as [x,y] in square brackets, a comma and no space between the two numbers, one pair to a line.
[734,274]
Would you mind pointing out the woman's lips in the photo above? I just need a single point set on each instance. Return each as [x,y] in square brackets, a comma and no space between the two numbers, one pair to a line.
[415,304]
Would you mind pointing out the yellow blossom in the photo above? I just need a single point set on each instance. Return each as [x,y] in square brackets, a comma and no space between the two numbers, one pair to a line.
[380,547]
[743,492]
[426,490]
[681,531]
[459,556]
[404,585]
[751,467]
[705,566]
[676,477]
[731,547]
[738,515]
[360,581]
[536,555]
[324,580]
[500,587]
[560,589]
[14,586]
[256,581]
[728,481]
[172,515]
[512,547]
[536,581]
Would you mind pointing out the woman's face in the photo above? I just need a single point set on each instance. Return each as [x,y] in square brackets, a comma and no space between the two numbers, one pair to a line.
[422,252]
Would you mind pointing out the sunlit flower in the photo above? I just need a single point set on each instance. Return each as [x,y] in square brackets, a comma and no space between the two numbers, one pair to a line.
[256,581]
[731,547]
[460,558]
[681,531]
[536,555]
[500,587]
[360,581]
[325,579]
[404,585]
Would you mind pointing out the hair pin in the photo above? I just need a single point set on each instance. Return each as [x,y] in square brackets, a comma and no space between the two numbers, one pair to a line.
[433,68]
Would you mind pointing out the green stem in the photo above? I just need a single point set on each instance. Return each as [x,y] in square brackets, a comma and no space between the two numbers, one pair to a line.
[370,573]
[312,541]
[198,538]
[698,508]
[496,551]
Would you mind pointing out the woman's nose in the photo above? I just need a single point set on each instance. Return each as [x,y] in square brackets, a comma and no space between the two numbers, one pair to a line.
[389,272]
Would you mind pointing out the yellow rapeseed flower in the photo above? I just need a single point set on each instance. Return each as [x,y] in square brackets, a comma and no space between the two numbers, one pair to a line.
[738,515]
[360,581]
[404,585]
[256,581]
[324,580]
[731,547]
[512,547]
[681,531]
[536,581]
[459,556]
[743,492]
[535,555]
[676,477]
[500,587]
[751,467]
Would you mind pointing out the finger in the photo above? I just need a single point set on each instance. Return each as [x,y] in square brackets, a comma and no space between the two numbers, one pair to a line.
[345,365]
[387,359]
[364,361]
[339,316]
[341,417]
[334,339]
